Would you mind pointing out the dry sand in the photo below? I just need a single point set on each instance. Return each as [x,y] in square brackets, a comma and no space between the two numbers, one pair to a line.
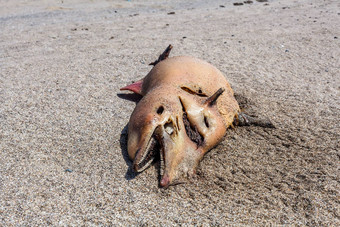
[63,126]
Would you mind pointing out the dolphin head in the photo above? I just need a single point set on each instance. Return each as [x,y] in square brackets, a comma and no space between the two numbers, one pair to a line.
[179,129]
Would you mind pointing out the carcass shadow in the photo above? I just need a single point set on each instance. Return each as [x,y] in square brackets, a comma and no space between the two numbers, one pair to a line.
[130,174]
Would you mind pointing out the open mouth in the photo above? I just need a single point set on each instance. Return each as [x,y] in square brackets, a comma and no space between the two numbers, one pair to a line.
[148,155]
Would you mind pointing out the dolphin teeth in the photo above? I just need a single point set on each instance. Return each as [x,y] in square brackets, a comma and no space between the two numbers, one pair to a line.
[148,156]
[162,165]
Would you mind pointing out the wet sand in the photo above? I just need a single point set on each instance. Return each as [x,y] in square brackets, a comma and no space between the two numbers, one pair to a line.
[63,124]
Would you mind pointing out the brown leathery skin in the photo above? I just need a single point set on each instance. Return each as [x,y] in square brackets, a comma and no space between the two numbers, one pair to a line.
[176,87]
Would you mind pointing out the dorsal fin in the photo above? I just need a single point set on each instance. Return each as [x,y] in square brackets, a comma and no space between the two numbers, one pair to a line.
[135,87]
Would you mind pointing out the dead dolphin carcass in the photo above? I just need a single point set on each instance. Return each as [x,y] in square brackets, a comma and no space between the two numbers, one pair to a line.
[186,108]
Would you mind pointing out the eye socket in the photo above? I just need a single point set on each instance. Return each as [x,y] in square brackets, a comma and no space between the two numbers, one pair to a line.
[160,110]
[206,121]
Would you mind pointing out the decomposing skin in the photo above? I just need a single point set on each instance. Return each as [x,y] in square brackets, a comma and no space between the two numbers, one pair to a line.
[187,106]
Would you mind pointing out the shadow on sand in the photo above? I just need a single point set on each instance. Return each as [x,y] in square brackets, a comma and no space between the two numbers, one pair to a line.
[130,174]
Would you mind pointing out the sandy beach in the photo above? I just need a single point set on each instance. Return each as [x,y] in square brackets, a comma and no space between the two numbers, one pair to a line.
[63,155]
